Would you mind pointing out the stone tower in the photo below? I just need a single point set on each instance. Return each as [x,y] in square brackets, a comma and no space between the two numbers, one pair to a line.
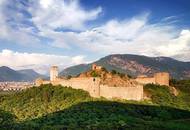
[95,87]
[162,78]
[53,73]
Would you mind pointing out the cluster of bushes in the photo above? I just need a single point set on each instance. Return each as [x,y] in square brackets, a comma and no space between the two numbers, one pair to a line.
[162,95]
[182,85]
[95,74]
[118,73]
[106,115]
[38,101]
[113,72]
[159,94]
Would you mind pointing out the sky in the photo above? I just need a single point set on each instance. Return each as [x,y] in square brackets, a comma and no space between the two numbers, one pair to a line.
[35,34]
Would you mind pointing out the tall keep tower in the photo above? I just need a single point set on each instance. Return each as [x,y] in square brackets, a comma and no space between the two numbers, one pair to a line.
[53,73]
[162,78]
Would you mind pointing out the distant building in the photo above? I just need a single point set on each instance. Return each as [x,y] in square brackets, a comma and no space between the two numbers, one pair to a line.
[6,86]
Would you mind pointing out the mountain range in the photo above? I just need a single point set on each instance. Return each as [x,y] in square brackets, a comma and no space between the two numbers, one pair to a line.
[8,74]
[135,65]
[132,65]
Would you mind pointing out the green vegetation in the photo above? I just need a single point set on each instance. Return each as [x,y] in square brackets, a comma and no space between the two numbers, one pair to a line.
[162,95]
[58,108]
[68,77]
[104,69]
[94,74]
[39,101]
[112,115]
[114,72]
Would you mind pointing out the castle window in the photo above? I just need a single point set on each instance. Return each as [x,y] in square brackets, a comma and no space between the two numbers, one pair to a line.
[94,79]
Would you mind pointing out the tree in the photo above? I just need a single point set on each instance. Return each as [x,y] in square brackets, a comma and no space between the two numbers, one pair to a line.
[114,72]
[94,74]
[69,77]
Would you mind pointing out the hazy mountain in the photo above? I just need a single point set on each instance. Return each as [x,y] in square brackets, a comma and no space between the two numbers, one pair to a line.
[136,65]
[31,74]
[75,70]
[8,74]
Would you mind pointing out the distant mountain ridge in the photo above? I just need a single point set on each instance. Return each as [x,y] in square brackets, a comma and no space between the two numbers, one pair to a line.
[136,65]
[8,74]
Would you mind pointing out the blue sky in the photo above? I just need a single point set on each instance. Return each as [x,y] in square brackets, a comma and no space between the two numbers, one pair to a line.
[39,33]
[159,9]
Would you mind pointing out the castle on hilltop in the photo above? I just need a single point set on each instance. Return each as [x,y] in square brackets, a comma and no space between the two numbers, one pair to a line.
[97,88]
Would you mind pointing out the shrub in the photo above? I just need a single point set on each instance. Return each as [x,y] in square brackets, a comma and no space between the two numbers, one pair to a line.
[69,77]
[114,72]
[94,74]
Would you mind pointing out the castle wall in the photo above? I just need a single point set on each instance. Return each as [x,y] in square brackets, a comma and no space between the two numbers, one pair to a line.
[95,89]
[129,93]
[46,82]
[145,80]
[88,84]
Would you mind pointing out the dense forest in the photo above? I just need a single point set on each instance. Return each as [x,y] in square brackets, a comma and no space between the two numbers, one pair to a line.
[57,108]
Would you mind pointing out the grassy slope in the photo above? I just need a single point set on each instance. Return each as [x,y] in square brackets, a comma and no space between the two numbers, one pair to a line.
[49,107]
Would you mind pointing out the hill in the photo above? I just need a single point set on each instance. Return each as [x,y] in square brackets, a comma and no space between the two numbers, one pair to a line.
[30,74]
[57,107]
[75,70]
[8,74]
[136,65]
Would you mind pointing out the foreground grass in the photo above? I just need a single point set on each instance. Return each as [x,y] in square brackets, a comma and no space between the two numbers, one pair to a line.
[57,107]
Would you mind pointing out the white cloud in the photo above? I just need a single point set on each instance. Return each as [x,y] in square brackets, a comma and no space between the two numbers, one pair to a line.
[19,34]
[134,35]
[46,15]
[53,14]
[77,59]
[37,61]
[46,3]
[176,46]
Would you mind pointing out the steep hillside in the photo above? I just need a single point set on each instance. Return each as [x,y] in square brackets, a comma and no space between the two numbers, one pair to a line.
[8,74]
[56,107]
[137,65]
